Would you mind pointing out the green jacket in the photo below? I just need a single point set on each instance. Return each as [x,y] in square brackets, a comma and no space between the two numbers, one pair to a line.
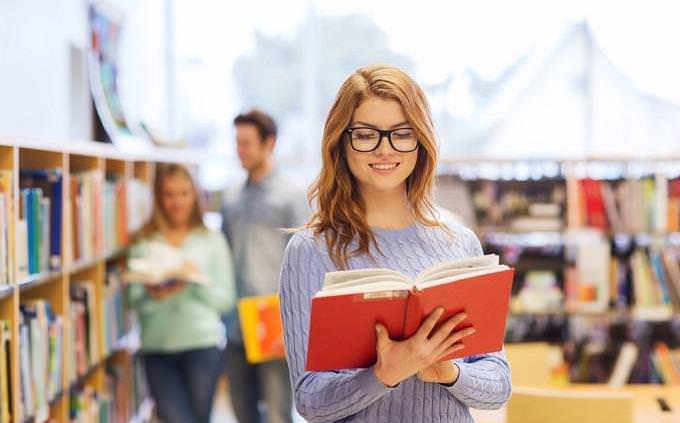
[188,319]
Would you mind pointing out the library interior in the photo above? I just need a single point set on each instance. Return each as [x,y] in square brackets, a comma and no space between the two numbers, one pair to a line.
[166,165]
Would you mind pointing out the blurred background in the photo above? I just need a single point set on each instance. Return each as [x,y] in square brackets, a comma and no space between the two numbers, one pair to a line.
[558,125]
[505,79]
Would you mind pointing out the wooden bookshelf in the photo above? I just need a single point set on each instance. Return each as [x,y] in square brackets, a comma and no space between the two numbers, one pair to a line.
[634,225]
[54,284]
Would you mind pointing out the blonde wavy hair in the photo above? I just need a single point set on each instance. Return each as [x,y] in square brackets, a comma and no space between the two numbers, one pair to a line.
[340,213]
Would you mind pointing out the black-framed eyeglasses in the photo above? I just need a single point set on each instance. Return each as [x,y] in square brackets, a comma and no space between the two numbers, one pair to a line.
[366,139]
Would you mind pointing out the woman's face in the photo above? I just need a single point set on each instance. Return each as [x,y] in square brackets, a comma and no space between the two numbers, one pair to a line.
[177,199]
[383,169]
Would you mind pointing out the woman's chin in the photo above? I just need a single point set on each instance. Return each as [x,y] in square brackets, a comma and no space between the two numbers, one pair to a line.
[384,186]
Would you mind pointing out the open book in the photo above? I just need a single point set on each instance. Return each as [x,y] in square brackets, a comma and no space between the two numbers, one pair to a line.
[162,264]
[345,311]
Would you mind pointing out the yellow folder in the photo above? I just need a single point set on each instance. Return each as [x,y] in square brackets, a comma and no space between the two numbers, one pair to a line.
[261,327]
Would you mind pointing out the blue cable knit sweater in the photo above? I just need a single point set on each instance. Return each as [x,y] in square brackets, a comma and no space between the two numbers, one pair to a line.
[356,395]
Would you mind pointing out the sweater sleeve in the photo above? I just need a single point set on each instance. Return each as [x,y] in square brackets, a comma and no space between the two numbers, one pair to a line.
[319,396]
[484,380]
[221,293]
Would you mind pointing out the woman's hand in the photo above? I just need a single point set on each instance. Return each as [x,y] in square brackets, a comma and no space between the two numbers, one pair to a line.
[445,372]
[159,292]
[399,360]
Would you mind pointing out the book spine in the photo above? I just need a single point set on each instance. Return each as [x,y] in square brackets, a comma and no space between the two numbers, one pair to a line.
[413,314]
[36,227]
[4,242]
[75,218]
[55,222]
[45,210]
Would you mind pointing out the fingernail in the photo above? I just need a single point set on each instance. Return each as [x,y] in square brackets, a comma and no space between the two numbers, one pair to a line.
[377,328]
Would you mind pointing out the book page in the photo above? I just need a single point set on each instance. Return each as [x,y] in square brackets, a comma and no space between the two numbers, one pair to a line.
[342,276]
[160,263]
[460,276]
[363,283]
[453,272]
[390,288]
[456,266]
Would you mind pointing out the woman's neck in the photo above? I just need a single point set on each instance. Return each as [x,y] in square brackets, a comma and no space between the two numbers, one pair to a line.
[387,209]
[176,234]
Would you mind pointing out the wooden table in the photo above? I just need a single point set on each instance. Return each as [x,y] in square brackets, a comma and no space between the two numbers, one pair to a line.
[645,403]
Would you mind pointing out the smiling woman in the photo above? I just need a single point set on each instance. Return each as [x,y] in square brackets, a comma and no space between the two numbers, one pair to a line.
[374,209]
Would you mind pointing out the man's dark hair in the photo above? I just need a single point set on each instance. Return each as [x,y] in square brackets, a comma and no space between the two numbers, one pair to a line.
[263,122]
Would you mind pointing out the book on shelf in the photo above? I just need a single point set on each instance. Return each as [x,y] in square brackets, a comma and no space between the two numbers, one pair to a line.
[5,372]
[32,213]
[139,203]
[517,205]
[84,321]
[50,183]
[126,387]
[5,264]
[539,293]
[669,257]
[666,364]
[351,302]
[41,336]
[587,276]
[117,386]
[649,204]
[6,226]
[86,404]
[161,264]
[260,319]
[116,323]
[623,367]
[114,208]
[21,241]
[650,287]
[86,214]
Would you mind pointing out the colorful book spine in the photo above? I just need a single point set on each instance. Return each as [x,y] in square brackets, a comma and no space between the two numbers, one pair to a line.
[7,188]
[5,372]
[41,353]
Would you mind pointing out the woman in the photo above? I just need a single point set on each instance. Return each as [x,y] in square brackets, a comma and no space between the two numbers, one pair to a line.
[374,209]
[180,320]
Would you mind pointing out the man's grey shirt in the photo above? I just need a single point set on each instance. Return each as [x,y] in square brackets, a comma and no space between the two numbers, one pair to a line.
[254,216]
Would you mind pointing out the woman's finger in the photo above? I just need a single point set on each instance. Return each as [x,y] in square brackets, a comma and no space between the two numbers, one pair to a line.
[452,349]
[452,339]
[383,337]
[426,327]
[445,330]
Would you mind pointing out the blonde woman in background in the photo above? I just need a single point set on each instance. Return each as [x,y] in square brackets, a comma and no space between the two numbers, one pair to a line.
[180,320]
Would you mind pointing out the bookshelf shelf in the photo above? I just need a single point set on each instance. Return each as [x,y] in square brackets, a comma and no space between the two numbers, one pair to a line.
[66,215]
[6,291]
[38,279]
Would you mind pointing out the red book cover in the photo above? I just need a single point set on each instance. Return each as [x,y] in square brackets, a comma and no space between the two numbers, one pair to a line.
[342,327]
[594,203]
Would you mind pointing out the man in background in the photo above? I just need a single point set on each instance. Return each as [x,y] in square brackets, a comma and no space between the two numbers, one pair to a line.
[253,216]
